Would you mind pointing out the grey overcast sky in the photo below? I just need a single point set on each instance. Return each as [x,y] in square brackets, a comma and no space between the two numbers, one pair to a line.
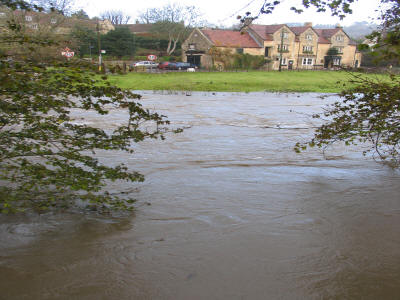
[224,12]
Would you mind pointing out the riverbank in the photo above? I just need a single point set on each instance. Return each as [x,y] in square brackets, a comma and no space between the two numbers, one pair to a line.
[253,81]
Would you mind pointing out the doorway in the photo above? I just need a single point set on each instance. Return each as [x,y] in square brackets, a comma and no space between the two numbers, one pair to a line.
[194,59]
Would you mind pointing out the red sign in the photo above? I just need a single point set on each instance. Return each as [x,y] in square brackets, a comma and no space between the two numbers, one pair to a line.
[151,57]
[67,53]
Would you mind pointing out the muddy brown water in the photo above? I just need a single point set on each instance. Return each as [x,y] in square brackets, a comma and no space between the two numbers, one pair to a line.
[227,211]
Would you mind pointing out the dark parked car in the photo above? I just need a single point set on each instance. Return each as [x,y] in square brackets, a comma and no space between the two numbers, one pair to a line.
[167,66]
[185,65]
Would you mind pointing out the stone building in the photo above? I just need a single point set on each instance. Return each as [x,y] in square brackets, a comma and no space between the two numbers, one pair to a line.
[300,47]
[54,22]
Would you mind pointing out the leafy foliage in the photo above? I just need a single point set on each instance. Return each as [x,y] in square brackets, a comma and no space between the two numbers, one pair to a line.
[48,158]
[369,113]
[226,60]
[119,42]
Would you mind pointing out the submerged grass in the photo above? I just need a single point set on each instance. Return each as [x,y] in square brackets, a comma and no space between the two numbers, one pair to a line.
[253,81]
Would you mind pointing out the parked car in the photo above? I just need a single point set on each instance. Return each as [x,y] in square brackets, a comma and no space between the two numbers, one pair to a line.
[185,65]
[167,66]
[146,64]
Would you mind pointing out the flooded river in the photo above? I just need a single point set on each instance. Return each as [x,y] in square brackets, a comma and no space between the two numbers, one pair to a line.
[227,211]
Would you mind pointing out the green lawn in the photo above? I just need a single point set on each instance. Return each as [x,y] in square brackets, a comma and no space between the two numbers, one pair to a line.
[294,81]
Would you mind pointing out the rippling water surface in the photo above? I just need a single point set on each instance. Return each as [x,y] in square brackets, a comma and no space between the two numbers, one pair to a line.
[227,211]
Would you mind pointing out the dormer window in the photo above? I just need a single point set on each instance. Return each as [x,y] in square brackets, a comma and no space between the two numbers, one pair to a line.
[340,38]
[309,37]
[28,18]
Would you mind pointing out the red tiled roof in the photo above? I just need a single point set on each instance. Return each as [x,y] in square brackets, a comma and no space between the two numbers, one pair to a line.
[230,38]
[299,29]
[327,33]
[266,31]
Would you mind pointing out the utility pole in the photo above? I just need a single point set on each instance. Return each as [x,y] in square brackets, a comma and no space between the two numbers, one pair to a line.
[281,50]
[99,43]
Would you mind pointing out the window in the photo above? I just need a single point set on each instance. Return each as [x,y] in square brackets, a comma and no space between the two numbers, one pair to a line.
[336,61]
[28,18]
[239,50]
[34,26]
[340,38]
[339,50]
[284,35]
[309,37]
[284,61]
[2,14]
[284,48]
[53,21]
[192,46]
[307,49]
[307,61]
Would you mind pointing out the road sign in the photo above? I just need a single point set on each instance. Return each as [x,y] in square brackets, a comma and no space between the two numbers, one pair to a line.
[151,57]
[67,53]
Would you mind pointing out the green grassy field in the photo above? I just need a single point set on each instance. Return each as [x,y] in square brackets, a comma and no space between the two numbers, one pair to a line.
[302,81]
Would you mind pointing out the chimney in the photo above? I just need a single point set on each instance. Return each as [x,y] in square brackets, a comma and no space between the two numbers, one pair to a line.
[338,25]
[308,24]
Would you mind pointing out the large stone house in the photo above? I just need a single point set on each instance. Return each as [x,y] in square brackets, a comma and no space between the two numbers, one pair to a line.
[301,47]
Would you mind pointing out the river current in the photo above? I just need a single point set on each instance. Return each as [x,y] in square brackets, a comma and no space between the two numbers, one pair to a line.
[227,211]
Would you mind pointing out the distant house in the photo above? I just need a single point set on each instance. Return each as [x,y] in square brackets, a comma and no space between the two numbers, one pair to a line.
[301,47]
[200,41]
[52,21]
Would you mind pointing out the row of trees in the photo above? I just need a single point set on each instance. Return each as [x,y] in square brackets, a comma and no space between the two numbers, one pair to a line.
[171,24]
[119,42]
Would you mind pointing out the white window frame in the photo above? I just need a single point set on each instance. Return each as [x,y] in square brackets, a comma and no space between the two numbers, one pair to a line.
[53,21]
[307,61]
[284,61]
[192,46]
[28,18]
[307,48]
[34,26]
[2,14]
[284,47]
[336,61]
[309,37]
[340,37]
